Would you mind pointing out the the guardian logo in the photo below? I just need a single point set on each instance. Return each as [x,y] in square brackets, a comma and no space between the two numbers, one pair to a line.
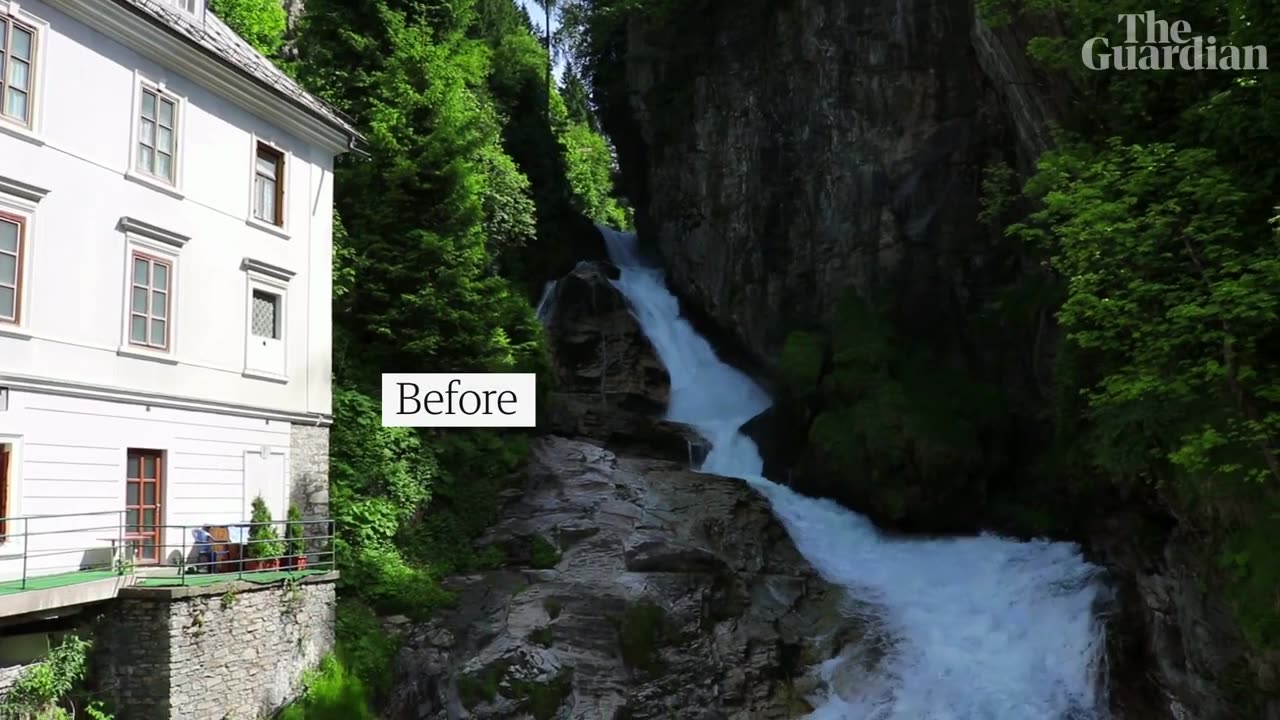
[1162,45]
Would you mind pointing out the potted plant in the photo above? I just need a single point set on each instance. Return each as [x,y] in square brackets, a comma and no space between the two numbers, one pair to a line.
[265,546]
[293,535]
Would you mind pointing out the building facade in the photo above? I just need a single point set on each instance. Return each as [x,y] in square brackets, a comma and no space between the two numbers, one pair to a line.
[166,209]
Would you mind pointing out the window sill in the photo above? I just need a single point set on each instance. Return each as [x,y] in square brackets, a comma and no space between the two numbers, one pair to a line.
[137,353]
[20,132]
[268,376]
[15,331]
[154,184]
[267,227]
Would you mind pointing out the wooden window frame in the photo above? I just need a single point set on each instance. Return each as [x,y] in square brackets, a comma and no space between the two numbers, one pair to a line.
[277,155]
[21,222]
[157,535]
[174,129]
[150,287]
[32,63]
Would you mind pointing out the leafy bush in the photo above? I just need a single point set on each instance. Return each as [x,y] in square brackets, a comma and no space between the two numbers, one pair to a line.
[264,540]
[260,22]
[295,531]
[43,691]
[331,692]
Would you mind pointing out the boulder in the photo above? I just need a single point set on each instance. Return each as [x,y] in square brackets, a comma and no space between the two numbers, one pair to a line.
[650,592]
[597,346]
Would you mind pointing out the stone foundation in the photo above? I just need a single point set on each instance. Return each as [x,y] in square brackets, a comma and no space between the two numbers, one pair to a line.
[232,651]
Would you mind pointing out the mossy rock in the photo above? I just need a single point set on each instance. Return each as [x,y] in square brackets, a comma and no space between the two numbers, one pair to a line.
[553,607]
[542,636]
[482,686]
[642,631]
[543,555]
[543,699]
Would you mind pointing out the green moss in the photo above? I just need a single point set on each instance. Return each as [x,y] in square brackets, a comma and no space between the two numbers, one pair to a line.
[541,636]
[803,355]
[552,606]
[482,686]
[642,632]
[544,555]
[543,699]
[1254,568]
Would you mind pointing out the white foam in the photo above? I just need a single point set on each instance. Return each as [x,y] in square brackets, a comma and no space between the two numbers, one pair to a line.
[981,628]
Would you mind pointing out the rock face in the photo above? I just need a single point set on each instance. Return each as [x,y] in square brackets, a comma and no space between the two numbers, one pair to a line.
[636,590]
[824,145]
[610,384]
[598,347]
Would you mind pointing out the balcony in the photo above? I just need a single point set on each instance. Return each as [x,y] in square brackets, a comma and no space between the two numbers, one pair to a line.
[52,564]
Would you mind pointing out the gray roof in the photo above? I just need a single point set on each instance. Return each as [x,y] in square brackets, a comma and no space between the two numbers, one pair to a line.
[213,35]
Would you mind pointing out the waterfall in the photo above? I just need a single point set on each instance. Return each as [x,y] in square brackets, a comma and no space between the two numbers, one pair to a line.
[548,301]
[980,628]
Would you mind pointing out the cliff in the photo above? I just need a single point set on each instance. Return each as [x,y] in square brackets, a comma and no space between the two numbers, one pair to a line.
[787,157]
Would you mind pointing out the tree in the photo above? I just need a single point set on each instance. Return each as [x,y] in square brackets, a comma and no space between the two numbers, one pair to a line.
[576,102]
[1177,304]
[549,12]
[260,22]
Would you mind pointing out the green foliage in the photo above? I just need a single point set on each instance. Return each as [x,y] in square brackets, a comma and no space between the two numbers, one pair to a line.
[364,648]
[42,691]
[899,421]
[803,355]
[1248,556]
[544,555]
[643,631]
[331,692]
[264,539]
[295,531]
[542,636]
[482,686]
[260,22]
[553,608]
[543,699]
[1178,330]
[380,478]
[998,192]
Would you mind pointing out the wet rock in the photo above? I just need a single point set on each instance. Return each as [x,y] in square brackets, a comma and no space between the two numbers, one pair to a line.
[675,595]
[598,348]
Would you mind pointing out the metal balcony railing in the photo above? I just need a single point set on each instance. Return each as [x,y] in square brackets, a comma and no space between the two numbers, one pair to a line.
[41,551]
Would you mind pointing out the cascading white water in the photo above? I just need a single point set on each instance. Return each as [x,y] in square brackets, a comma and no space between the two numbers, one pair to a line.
[547,303]
[980,628]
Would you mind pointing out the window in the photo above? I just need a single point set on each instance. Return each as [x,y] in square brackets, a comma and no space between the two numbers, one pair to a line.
[142,504]
[149,302]
[17,56]
[11,234]
[5,455]
[156,135]
[191,6]
[265,321]
[268,185]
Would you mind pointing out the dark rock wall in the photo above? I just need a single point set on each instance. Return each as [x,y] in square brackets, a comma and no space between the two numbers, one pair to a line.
[826,145]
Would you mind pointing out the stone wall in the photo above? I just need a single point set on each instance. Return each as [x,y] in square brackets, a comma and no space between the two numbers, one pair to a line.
[232,651]
[309,470]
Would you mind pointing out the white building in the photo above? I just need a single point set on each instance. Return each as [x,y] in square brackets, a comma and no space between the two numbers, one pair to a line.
[165,269]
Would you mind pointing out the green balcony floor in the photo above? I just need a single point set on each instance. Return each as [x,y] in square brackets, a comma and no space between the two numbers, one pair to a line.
[67,579]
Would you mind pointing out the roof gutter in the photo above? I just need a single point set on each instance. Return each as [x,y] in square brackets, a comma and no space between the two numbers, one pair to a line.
[356,147]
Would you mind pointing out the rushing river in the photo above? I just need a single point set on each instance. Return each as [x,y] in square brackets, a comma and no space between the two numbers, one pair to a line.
[979,628]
